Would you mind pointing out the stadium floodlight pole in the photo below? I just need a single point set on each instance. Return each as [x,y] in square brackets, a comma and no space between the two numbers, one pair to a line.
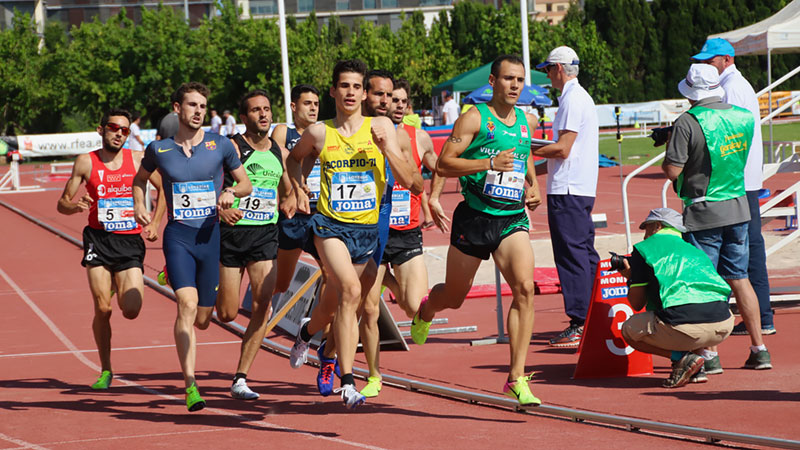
[617,113]
[186,11]
[526,57]
[287,90]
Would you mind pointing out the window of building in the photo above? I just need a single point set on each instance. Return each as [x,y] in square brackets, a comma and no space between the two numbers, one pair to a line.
[549,7]
[261,7]
[562,7]
[389,3]
[370,4]
[342,5]
[305,5]
[434,2]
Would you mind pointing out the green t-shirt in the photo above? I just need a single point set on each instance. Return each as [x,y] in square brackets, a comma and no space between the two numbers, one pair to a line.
[261,207]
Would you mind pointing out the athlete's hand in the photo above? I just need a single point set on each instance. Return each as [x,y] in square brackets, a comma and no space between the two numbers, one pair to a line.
[225,200]
[141,215]
[150,232]
[302,204]
[532,197]
[379,137]
[437,214]
[84,203]
[230,215]
[288,205]
[504,161]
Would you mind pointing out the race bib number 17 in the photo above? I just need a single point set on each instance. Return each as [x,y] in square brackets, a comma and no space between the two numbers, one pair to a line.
[353,191]
[193,200]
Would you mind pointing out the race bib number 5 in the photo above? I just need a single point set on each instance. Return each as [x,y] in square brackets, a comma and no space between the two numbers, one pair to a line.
[506,185]
[193,200]
[260,205]
[353,191]
[116,214]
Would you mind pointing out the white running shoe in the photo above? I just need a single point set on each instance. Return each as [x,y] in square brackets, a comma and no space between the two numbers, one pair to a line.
[299,353]
[241,391]
[351,396]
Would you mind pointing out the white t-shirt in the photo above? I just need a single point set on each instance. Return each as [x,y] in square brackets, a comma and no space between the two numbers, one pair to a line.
[216,124]
[230,126]
[577,174]
[738,92]
[450,109]
[133,139]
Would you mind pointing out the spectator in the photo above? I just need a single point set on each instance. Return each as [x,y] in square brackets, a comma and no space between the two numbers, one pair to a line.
[168,126]
[705,159]
[216,122]
[449,109]
[136,143]
[687,301]
[572,163]
[720,54]
[230,124]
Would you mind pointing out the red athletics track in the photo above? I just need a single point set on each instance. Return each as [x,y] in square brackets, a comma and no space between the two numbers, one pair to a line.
[46,403]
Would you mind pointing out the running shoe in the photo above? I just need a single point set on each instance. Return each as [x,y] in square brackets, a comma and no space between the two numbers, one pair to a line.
[163,280]
[299,353]
[103,381]
[372,388]
[699,377]
[520,390]
[712,366]
[741,330]
[350,396]
[569,338]
[193,400]
[758,361]
[327,368]
[683,370]
[240,390]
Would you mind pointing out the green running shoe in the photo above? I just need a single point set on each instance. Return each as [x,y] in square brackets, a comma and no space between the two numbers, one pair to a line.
[520,390]
[193,400]
[372,388]
[103,381]
[419,330]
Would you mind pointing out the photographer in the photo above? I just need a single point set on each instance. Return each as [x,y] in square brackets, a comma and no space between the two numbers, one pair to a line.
[687,301]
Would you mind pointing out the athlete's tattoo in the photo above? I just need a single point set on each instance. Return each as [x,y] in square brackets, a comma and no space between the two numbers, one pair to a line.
[454,139]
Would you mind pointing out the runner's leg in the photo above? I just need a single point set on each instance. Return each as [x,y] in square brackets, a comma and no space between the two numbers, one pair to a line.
[100,286]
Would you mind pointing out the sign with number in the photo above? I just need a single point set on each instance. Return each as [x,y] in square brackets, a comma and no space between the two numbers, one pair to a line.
[193,200]
[260,205]
[506,185]
[116,214]
[353,191]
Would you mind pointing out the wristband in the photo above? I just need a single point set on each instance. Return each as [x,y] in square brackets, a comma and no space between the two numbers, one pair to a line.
[230,191]
[491,163]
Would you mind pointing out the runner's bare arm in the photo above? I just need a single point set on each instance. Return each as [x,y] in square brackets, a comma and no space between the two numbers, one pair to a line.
[242,188]
[561,148]
[418,184]
[80,172]
[465,129]
[533,197]
[139,185]
[308,147]
[437,213]
[385,137]
[288,202]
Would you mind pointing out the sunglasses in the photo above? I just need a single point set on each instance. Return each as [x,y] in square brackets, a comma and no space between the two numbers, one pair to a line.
[114,128]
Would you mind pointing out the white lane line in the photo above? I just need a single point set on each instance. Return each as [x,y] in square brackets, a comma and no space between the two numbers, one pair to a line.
[121,349]
[139,436]
[20,442]
[77,353]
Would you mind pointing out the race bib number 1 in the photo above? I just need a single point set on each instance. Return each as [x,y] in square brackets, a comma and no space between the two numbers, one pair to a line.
[260,205]
[193,200]
[506,185]
[116,214]
[353,191]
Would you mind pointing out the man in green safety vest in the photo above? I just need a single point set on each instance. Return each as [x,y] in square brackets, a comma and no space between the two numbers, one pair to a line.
[705,159]
[686,300]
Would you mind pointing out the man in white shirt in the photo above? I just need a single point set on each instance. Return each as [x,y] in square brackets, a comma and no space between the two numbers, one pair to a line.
[450,108]
[572,163]
[216,122]
[136,143]
[230,124]
[720,54]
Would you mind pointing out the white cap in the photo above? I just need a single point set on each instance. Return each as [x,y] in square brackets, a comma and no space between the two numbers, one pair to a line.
[702,81]
[560,55]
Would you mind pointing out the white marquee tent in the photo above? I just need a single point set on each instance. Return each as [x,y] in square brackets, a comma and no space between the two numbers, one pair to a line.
[779,33]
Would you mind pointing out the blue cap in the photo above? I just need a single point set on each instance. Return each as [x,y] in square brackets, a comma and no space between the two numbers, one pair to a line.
[714,47]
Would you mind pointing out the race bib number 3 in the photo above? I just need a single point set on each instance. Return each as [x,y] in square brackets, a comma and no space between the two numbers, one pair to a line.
[116,214]
[506,185]
[313,183]
[353,192]
[193,200]
[401,207]
[260,205]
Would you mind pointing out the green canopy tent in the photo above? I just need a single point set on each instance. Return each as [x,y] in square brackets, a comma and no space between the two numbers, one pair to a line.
[475,78]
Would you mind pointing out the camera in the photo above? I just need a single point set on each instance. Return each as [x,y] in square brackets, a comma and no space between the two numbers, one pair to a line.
[618,261]
[660,135]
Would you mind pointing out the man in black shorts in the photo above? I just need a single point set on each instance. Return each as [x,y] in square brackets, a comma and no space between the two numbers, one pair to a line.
[113,249]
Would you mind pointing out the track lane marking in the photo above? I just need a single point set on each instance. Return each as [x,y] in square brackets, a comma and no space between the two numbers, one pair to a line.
[148,347]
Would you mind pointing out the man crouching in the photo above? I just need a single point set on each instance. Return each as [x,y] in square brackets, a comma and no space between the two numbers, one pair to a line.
[687,301]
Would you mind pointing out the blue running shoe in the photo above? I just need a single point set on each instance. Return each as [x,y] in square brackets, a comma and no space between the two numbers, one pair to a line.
[327,368]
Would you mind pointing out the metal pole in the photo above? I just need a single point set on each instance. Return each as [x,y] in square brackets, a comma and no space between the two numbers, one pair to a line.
[186,11]
[526,56]
[617,113]
[769,81]
[287,89]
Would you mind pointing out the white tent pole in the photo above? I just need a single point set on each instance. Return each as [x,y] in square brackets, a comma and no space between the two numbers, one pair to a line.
[769,82]
[526,57]
[287,89]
